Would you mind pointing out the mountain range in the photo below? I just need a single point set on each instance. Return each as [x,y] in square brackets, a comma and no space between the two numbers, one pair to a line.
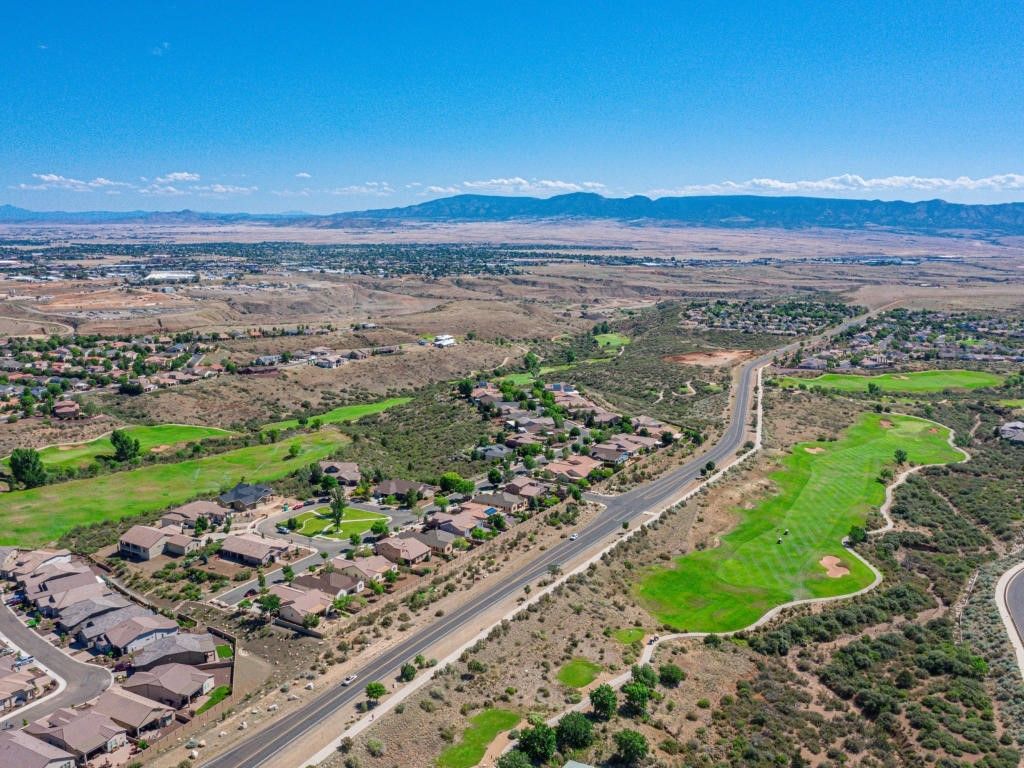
[702,211]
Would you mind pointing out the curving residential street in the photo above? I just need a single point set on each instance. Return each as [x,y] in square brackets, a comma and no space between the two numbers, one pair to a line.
[82,681]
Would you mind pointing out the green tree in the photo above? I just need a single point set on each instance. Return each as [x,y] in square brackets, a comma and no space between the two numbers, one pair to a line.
[126,447]
[408,673]
[269,604]
[379,527]
[310,620]
[494,475]
[873,388]
[574,731]
[453,481]
[901,456]
[857,535]
[27,467]
[644,673]
[538,742]
[515,759]
[630,746]
[288,573]
[375,691]
[604,701]
[338,505]
[294,450]
[670,675]
[637,695]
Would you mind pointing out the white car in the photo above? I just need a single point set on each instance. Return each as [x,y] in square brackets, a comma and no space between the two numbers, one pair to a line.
[349,680]
[574,537]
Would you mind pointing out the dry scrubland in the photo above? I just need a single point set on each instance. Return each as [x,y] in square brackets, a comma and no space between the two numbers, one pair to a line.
[742,703]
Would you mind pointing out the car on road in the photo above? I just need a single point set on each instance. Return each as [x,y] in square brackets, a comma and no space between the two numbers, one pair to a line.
[252,592]
[283,529]
[349,680]
[574,537]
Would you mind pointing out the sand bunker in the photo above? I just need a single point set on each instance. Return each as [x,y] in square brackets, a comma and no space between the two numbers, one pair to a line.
[814,449]
[710,359]
[885,424]
[834,567]
[933,431]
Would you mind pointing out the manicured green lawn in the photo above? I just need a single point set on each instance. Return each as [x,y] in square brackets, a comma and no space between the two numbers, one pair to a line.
[916,381]
[611,340]
[578,673]
[1012,403]
[344,413]
[519,379]
[353,521]
[170,435]
[36,516]
[824,488]
[472,747]
[217,695]
[628,635]
[224,652]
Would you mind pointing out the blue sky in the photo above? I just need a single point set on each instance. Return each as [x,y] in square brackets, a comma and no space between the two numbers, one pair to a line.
[330,106]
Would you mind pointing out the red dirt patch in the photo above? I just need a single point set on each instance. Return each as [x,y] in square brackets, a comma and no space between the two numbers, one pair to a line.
[711,358]
[885,424]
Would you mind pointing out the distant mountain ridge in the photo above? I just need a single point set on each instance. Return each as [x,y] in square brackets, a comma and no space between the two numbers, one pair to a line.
[702,211]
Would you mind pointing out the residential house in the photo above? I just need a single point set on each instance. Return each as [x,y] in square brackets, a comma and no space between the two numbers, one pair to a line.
[503,501]
[253,550]
[133,711]
[182,648]
[439,541]
[245,496]
[345,472]
[72,616]
[17,565]
[67,409]
[181,544]
[610,454]
[90,633]
[19,749]
[526,487]
[188,515]
[20,686]
[574,467]
[67,591]
[402,488]
[331,582]
[458,524]
[175,685]
[495,452]
[138,632]
[84,733]
[404,550]
[368,569]
[142,542]
[298,603]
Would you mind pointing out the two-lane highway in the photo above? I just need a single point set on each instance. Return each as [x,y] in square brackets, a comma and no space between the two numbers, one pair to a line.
[279,735]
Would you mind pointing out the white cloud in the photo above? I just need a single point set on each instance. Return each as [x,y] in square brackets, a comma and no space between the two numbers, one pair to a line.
[436,190]
[46,181]
[376,188]
[162,190]
[303,175]
[847,183]
[160,50]
[208,190]
[521,186]
[177,176]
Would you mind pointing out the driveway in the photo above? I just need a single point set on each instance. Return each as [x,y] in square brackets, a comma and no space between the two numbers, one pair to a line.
[83,681]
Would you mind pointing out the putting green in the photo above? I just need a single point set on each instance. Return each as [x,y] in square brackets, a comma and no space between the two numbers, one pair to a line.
[824,488]
[916,381]
[628,635]
[161,436]
[578,673]
[344,413]
[611,340]
[38,515]
[472,747]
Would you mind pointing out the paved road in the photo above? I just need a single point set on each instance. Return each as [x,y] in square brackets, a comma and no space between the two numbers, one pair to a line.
[1015,602]
[261,747]
[84,681]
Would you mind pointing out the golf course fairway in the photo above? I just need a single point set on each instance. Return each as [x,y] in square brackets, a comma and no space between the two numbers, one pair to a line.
[823,489]
[916,381]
